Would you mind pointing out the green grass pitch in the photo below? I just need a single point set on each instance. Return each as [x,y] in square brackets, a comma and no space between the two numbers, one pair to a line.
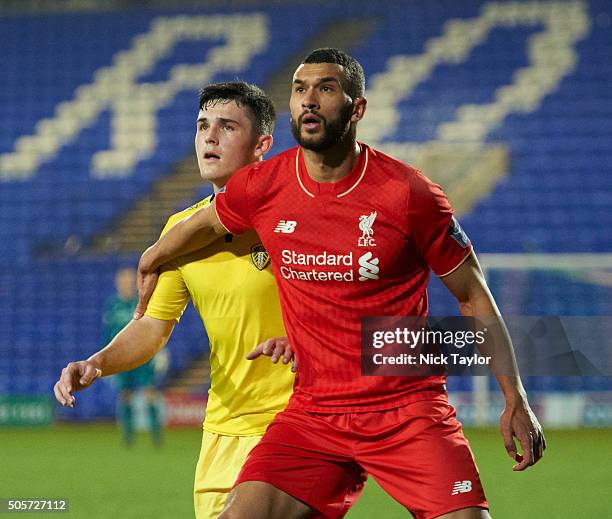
[88,465]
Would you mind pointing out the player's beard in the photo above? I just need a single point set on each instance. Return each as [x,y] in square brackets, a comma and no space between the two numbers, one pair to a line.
[334,131]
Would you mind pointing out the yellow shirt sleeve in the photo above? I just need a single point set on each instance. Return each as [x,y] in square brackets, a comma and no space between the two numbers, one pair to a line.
[171,296]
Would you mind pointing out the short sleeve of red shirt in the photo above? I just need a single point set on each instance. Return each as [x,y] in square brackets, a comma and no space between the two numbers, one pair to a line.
[232,202]
[436,232]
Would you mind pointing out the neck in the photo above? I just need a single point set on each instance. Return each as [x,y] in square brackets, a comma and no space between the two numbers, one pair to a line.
[219,183]
[333,164]
[217,186]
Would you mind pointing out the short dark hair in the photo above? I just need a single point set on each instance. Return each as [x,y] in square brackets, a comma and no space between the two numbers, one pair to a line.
[254,98]
[355,78]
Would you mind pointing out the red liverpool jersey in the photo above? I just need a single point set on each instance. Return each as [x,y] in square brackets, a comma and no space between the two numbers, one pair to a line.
[341,251]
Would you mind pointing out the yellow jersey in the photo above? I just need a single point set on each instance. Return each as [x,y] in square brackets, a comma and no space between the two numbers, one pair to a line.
[232,287]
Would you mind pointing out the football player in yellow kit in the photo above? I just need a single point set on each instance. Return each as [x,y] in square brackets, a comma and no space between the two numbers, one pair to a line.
[232,288]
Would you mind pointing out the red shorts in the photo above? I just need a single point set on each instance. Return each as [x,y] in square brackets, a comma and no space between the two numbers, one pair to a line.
[417,453]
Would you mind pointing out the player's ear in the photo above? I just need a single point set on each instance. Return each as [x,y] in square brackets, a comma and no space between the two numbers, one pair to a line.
[359,108]
[263,145]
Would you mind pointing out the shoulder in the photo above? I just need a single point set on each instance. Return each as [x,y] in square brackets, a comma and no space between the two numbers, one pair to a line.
[406,182]
[278,163]
[393,167]
[192,209]
[398,175]
[177,217]
[262,177]
[283,158]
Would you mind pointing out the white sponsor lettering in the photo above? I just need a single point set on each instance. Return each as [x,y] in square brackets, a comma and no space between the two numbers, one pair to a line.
[291,257]
[368,267]
[315,275]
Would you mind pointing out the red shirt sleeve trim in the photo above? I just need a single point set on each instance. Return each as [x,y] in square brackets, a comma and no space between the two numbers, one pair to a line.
[221,221]
[458,264]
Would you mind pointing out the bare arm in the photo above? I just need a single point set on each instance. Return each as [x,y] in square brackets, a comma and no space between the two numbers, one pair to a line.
[469,287]
[133,346]
[189,235]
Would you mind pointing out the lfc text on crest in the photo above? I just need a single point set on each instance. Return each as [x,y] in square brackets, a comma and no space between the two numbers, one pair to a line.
[365,226]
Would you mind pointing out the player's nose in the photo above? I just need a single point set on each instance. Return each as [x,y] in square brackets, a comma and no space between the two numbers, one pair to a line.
[310,100]
[211,135]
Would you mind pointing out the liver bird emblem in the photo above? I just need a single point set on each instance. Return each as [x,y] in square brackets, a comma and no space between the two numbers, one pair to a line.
[366,223]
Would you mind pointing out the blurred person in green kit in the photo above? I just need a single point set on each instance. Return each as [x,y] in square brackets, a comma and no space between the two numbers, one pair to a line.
[118,312]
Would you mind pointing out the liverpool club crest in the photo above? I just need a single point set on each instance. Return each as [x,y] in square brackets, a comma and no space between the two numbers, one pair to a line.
[365,226]
[260,256]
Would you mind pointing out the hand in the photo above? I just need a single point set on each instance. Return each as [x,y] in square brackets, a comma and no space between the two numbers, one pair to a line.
[146,280]
[277,348]
[518,421]
[75,376]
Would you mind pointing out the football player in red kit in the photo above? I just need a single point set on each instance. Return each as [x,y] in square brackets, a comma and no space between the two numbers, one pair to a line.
[352,233]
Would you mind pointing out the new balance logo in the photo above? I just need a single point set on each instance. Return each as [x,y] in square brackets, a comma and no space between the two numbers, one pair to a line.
[461,487]
[286,226]
[368,267]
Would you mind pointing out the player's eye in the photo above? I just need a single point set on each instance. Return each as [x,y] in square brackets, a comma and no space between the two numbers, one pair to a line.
[228,128]
[299,89]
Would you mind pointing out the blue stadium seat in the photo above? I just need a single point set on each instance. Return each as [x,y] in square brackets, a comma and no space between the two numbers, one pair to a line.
[555,197]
